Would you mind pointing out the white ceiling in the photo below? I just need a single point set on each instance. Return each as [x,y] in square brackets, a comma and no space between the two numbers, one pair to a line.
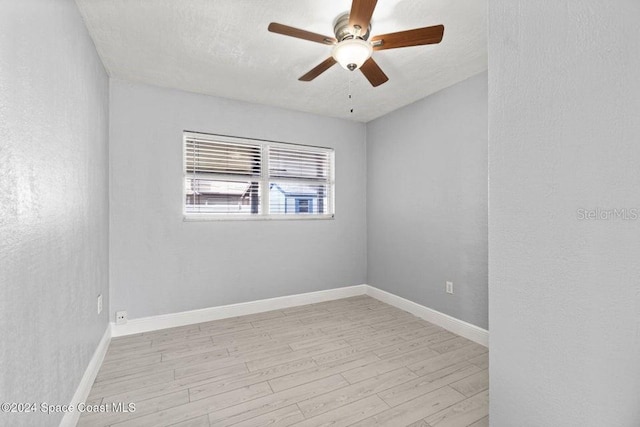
[223,48]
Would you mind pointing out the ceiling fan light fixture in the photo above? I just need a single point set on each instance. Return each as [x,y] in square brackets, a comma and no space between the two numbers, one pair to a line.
[352,53]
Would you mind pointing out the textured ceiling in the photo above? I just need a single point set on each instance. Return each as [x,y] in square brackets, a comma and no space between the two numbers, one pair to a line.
[223,48]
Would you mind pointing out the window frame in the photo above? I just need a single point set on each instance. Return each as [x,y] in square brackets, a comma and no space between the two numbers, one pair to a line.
[264,180]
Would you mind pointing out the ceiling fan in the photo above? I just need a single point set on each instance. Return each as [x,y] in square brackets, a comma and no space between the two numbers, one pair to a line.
[352,48]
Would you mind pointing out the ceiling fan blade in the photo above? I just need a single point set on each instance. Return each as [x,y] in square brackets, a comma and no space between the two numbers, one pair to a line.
[319,69]
[373,73]
[285,30]
[361,12]
[416,37]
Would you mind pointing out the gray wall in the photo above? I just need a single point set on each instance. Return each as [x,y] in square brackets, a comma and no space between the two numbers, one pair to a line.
[564,135]
[427,201]
[53,203]
[160,264]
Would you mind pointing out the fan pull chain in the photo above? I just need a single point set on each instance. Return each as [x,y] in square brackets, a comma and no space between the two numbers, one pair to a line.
[350,97]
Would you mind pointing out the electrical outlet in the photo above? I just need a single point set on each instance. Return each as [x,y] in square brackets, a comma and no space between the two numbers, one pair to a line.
[121,317]
[449,287]
[99,303]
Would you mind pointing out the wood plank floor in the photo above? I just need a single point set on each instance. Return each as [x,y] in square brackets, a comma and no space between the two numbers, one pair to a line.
[349,362]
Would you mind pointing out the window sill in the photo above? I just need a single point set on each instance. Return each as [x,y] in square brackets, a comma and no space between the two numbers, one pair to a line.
[208,217]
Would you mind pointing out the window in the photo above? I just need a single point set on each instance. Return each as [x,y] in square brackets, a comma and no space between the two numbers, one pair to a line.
[227,177]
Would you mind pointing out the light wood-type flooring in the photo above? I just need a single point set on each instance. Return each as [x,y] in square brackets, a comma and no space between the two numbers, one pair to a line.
[349,362]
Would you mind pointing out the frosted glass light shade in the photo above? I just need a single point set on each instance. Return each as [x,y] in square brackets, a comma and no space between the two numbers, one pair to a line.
[352,53]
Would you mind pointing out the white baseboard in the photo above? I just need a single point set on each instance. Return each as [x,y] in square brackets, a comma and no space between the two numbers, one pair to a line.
[457,326]
[71,418]
[172,320]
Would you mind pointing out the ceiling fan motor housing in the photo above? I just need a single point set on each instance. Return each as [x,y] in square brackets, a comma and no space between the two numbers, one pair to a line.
[347,34]
[343,31]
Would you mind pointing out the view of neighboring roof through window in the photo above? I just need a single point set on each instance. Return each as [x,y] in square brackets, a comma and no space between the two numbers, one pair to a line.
[239,178]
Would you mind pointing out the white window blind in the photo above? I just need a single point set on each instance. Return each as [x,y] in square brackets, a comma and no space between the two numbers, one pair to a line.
[222,177]
[303,176]
[215,157]
[227,177]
